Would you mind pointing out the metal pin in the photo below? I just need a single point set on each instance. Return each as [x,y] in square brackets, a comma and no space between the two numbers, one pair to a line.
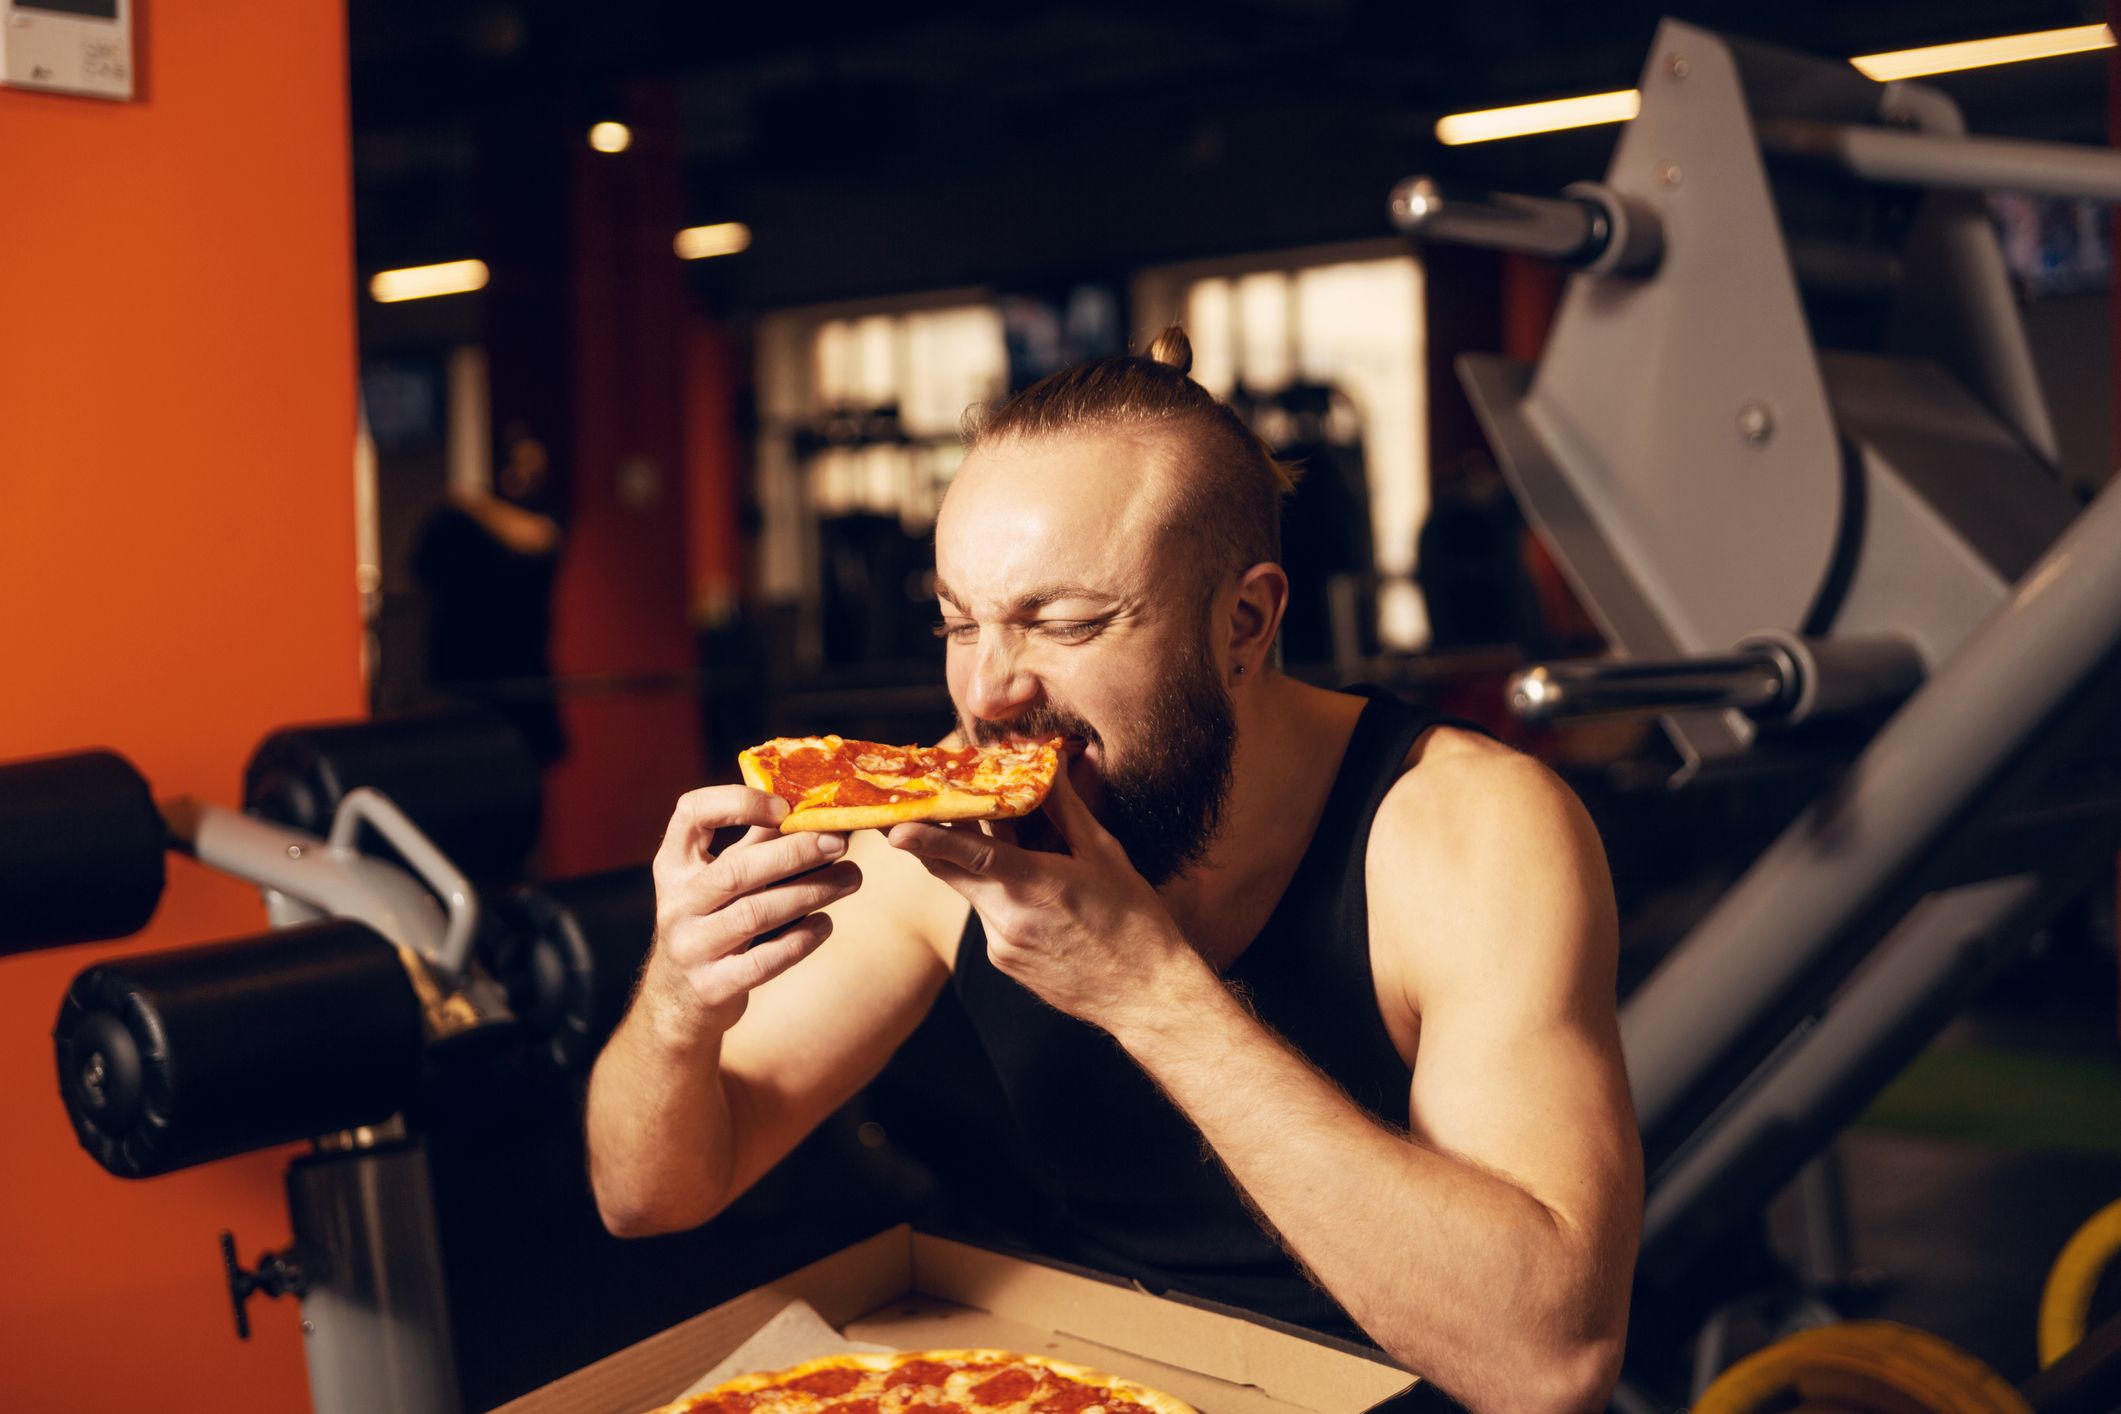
[1756,422]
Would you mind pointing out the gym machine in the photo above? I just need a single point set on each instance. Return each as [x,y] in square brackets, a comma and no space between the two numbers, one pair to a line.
[383,968]
[1786,443]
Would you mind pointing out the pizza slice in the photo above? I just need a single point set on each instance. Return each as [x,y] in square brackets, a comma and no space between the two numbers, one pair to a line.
[831,783]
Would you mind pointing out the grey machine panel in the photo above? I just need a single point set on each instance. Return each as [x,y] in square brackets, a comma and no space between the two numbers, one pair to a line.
[1793,433]
[1706,472]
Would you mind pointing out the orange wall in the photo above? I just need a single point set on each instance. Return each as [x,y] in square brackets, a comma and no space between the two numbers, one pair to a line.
[176,578]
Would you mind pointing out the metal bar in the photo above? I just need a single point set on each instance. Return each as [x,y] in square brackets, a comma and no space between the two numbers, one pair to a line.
[1822,1191]
[1844,270]
[1980,164]
[1706,1017]
[1555,228]
[375,1319]
[1919,978]
[365,805]
[2082,1381]
[303,868]
[1749,682]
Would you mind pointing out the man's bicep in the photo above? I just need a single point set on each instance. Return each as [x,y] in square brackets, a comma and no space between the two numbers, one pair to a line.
[813,1036]
[1511,970]
[1541,1103]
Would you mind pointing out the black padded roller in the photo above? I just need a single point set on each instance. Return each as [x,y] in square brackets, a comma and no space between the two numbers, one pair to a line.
[568,953]
[176,1058]
[465,777]
[81,848]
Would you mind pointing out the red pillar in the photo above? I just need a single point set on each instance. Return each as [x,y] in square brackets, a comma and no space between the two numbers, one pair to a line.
[714,473]
[620,627]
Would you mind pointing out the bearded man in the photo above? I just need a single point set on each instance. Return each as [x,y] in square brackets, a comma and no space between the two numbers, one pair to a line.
[1364,956]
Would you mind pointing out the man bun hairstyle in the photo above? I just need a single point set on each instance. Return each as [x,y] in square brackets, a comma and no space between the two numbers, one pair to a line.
[1227,487]
[1173,349]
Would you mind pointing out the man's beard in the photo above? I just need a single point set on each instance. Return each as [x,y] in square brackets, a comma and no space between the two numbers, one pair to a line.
[1164,801]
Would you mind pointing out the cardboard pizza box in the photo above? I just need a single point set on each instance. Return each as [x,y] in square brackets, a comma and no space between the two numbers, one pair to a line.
[910,1291]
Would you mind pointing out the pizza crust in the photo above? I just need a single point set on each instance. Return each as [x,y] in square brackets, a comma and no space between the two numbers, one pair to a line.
[950,805]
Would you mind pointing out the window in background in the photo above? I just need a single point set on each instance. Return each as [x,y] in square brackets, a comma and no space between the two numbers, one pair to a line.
[1322,352]
[859,414]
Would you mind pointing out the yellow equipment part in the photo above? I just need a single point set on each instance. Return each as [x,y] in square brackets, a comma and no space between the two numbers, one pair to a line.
[1861,1367]
[2066,1301]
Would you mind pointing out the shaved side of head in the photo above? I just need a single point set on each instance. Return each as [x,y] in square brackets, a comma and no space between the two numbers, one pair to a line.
[1217,489]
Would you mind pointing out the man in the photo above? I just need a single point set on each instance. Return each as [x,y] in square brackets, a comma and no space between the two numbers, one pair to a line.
[487,563]
[1368,959]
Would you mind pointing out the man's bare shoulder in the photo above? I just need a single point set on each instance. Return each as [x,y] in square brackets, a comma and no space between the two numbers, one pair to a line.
[1464,791]
[1482,844]
[900,898]
[1458,780]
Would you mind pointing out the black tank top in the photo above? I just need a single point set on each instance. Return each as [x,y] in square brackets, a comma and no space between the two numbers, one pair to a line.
[1124,1181]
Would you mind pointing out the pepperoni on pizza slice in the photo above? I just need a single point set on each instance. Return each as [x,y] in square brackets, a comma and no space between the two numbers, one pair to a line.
[831,783]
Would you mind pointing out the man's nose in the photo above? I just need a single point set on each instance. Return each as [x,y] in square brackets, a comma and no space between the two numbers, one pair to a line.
[1000,686]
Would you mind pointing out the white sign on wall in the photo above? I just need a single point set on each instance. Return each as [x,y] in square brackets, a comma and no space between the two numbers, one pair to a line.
[68,46]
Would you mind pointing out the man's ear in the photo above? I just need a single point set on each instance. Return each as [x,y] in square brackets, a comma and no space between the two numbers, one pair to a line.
[1255,618]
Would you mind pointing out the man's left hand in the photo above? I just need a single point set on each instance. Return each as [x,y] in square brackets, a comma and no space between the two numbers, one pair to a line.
[1082,930]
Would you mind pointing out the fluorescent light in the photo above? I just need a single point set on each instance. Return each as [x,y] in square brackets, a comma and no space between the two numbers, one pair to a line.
[723,238]
[1981,53]
[1524,118]
[453,277]
[610,137]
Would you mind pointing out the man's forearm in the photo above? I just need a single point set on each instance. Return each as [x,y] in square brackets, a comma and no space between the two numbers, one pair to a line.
[658,1124]
[1459,1274]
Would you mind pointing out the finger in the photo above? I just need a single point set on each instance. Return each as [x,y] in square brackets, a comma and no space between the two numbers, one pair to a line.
[730,977]
[700,813]
[985,895]
[710,845]
[1073,818]
[768,958]
[968,849]
[759,913]
[766,857]
[963,881]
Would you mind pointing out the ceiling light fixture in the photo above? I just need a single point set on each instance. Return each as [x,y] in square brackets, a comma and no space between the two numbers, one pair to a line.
[610,137]
[1983,53]
[1553,116]
[1557,115]
[453,277]
[722,238]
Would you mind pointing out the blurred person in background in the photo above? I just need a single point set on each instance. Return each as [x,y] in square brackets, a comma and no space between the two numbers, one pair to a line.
[487,563]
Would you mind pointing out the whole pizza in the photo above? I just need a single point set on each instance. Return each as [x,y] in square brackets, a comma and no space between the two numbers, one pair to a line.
[931,1382]
[831,783]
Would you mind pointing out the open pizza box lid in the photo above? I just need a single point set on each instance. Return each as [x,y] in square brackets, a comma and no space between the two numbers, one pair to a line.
[908,1291]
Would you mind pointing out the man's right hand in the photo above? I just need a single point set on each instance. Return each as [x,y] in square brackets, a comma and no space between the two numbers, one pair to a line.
[725,924]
